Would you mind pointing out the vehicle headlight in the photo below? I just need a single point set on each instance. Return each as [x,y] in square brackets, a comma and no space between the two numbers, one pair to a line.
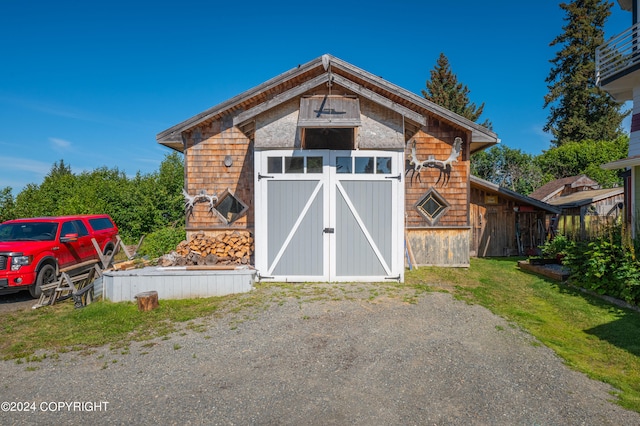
[18,261]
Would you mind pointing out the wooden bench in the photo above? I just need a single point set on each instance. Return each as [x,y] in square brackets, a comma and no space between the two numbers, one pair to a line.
[76,281]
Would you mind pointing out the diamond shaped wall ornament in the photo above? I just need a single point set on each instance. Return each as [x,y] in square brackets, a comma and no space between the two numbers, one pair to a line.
[230,207]
[432,206]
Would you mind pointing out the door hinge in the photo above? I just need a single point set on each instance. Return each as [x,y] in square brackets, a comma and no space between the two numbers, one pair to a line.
[393,278]
[261,176]
[399,177]
[260,277]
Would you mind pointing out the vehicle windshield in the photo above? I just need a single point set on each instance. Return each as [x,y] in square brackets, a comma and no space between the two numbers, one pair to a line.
[28,231]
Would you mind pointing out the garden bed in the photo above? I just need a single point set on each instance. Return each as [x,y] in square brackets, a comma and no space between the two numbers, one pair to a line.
[551,269]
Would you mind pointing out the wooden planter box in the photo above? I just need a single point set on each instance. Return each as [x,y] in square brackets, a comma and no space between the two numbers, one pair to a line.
[554,274]
[544,261]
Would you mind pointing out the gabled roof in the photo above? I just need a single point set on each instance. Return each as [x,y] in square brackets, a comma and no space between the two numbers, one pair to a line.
[548,190]
[509,194]
[584,198]
[297,81]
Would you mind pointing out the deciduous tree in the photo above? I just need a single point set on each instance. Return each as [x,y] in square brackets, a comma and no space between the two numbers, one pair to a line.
[507,167]
[585,157]
[7,204]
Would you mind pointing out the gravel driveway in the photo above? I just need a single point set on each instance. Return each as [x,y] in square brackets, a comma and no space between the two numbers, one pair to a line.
[319,361]
[18,301]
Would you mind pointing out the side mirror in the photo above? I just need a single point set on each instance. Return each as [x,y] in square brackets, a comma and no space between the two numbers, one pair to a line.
[69,238]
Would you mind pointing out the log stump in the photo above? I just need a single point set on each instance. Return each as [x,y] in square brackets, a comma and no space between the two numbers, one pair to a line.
[147,300]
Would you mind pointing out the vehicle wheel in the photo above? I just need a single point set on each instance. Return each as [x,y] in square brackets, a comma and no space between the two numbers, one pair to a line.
[108,251]
[46,275]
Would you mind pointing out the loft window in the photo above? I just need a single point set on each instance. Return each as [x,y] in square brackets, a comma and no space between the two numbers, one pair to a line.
[328,138]
[229,207]
[432,206]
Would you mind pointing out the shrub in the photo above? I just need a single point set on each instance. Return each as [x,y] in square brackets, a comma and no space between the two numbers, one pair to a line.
[558,245]
[606,265]
[162,241]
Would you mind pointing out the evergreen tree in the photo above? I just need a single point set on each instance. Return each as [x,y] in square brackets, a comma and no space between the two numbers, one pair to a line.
[445,90]
[578,109]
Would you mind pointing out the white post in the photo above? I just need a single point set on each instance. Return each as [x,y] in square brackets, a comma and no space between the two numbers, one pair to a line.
[634,140]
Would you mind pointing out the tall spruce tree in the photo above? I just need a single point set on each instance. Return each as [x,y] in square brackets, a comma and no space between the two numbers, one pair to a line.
[445,90]
[579,110]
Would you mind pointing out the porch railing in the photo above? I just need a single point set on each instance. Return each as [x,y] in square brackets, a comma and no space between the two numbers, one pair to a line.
[618,54]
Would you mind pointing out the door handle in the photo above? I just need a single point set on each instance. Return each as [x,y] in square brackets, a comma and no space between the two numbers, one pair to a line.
[328,230]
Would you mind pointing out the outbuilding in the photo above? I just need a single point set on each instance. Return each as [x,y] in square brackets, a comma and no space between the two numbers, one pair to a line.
[585,207]
[506,223]
[337,172]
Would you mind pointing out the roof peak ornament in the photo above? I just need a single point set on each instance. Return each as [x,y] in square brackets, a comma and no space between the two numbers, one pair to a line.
[326,61]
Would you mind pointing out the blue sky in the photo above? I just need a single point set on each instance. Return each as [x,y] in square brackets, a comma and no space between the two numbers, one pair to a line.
[93,82]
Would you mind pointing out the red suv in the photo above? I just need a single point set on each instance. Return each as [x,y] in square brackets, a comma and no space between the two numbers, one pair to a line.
[32,250]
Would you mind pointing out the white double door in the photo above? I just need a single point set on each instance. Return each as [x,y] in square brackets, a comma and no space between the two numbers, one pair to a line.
[325,215]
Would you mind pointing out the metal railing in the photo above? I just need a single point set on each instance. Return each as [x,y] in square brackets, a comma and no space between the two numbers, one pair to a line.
[618,54]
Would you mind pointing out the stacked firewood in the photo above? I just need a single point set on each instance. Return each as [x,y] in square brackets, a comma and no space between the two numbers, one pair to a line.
[224,248]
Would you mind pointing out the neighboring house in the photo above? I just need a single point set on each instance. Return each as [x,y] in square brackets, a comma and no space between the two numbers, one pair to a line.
[564,186]
[505,223]
[618,73]
[584,206]
[332,168]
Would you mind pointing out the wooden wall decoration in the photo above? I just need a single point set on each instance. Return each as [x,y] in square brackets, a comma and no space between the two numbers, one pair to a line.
[205,168]
[415,166]
[456,192]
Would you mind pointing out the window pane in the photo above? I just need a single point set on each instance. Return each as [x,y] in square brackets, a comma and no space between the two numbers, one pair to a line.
[230,207]
[364,165]
[100,223]
[274,165]
[82,230]
[432,206]
[314,164]
[294,164]
[343,164]
[68,228]
[383,165]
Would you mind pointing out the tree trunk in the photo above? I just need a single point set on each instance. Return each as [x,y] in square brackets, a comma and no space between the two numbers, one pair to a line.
[147,300]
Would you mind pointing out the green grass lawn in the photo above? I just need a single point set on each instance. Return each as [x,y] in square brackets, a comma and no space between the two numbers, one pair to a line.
[591,335]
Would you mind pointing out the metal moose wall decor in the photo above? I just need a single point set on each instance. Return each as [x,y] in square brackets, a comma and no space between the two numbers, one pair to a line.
[415,166]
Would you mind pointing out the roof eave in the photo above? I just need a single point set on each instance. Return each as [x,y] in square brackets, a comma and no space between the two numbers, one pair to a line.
[481,137]
[590,200]
[622,164]
[514,195]
[479,134]
[171,133]
[626,5]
